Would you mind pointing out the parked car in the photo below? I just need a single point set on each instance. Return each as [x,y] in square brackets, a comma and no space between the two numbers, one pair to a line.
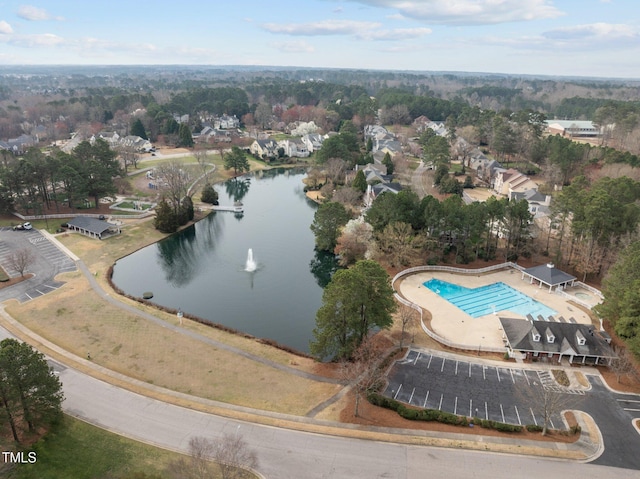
[23,226]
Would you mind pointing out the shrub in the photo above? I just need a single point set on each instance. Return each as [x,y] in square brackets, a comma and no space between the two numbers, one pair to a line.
[534,428]
[209,195]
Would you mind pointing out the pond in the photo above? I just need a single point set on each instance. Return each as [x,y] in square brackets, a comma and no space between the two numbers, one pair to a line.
[202,270]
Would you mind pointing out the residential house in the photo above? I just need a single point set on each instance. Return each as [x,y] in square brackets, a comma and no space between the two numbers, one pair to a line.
[294,148]
[373,172]
[19,145]
[313,141]
[373,191]
[264,148]
[226,122]
[538,203]
[484,167]
[511,180]
[136,143]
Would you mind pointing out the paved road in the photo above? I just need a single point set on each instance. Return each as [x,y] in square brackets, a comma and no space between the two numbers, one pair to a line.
[495,392]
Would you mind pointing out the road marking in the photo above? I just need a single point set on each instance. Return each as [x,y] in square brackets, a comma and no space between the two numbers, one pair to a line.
[498,373]
[416,360]
[398,391]
[411,397]
[47,286]
[469,369]
[486,411]
[425,400]
[442,368]
[502,412]
[440,405]
[629,409]
[429,364]
[470,407]
[517,414]
[628,400]
[526,376]
[512,378]
[27,295]
[484,376]
[41,293]
[456,367]
[551,423]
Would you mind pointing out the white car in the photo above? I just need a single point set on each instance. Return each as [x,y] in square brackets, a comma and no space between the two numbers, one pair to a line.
[23,226]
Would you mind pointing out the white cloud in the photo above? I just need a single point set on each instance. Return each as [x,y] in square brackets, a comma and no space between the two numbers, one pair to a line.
[325,27]
[360,30]
[35,14]
[5,28]
[593,31]
[469,12]
[396,34]
[293,47]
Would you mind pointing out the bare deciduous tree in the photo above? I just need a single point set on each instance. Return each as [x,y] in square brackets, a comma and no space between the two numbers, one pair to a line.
[20,260]
[362,371]
[407,316]
[622,365]
[228,457]
[174,179]
[546,401]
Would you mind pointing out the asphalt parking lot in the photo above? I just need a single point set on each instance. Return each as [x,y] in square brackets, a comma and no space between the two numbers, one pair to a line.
[47,263]
[471,389]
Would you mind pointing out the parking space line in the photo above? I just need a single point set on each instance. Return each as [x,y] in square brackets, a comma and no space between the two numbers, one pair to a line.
[455,406]
[41,293]
[426,398]
[486,411]
[517,414]
[411,397]
[484,376]
[442,368]
[440,405]
[502,412]
[470,407]
[533,416]
[429,363]
[526,376]
[416,360]
[551,423]
[469,368]
[47,286]
[27,295]
[456,367]
[512,378]
[628,400]
[398,391]
[498,373]
[629,409]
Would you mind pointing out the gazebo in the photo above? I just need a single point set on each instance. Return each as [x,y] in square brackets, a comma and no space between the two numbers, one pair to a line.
[549,275]
[92,227]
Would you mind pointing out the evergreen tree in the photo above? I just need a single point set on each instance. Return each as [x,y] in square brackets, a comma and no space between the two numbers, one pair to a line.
[186,212]
[209,195]
[360,182]
[137,129]
[166,219]
[388,162]
[185,138]
[327,221]
[237,160]
[356,301]
[30,394]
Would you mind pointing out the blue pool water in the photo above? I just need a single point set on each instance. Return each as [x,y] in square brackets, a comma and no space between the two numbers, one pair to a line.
[488,299]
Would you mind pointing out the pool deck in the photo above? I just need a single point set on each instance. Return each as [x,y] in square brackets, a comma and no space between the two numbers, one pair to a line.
[458,327]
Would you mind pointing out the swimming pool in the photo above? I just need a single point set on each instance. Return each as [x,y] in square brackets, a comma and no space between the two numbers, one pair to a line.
[488,299]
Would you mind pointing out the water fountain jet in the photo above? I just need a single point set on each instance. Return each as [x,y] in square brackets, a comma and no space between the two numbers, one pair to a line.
[250,264]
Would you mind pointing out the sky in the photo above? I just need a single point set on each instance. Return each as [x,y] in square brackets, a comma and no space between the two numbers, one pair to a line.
[592,38]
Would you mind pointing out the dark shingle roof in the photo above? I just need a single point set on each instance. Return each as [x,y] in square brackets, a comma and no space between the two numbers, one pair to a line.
[92,225]
[549,274]
[520,337]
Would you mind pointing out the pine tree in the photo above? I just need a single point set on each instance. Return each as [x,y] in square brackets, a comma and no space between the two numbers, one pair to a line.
[137,129]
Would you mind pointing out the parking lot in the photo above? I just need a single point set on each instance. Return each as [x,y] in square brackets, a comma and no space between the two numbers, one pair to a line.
[48,261]
[471,389]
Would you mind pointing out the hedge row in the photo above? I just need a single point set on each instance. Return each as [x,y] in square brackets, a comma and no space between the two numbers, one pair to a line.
[438,416]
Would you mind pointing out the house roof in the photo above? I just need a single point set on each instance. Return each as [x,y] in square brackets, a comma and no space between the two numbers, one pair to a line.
[92,225]
[549,274]
[555,337]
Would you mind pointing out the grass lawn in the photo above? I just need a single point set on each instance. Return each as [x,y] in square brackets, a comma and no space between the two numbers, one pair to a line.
[78,450]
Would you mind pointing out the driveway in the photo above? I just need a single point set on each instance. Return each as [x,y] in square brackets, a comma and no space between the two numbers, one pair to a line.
[48,261]
[492,391]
